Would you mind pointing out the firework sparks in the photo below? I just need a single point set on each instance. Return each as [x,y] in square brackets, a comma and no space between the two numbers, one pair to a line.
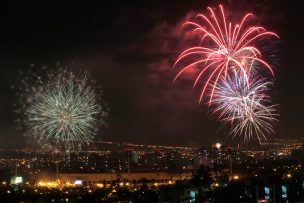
[64,109]
[224,46]
[247,110]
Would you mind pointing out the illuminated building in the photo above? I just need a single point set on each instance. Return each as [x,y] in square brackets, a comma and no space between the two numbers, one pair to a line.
[133,178]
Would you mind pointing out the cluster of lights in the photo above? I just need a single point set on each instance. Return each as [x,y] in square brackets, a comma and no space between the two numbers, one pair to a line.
[100,185]
[49,184]
[58,184]
[55,184]
[236,177]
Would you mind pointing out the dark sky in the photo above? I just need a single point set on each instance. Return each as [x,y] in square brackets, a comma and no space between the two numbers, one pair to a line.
[130,47]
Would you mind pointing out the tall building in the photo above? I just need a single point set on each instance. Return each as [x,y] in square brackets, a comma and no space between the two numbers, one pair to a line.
[134,157]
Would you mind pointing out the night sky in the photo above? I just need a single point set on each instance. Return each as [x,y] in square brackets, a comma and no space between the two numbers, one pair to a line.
[130,47]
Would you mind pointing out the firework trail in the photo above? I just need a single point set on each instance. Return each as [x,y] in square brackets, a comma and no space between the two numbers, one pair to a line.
[247,110]
[224,47]
[65,109]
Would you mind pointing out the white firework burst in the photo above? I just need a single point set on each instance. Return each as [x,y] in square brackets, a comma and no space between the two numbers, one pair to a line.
[246,108]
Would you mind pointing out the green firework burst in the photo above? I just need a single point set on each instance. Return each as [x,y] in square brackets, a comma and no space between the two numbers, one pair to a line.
[64,110]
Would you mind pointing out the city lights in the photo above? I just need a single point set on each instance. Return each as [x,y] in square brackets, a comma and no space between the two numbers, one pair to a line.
[218,145]
[236,177]
[100,185]
[50,184]
[250,164]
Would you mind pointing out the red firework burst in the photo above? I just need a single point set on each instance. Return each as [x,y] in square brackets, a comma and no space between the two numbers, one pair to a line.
[224,47]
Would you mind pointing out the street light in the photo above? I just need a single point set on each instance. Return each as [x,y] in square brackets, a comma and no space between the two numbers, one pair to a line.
[218,145]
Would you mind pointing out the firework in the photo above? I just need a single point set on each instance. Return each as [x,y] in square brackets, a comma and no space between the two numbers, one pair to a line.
[247,110]
[224,47]
[64,109]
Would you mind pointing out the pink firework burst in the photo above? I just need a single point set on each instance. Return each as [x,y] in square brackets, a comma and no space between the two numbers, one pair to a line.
[224,47]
